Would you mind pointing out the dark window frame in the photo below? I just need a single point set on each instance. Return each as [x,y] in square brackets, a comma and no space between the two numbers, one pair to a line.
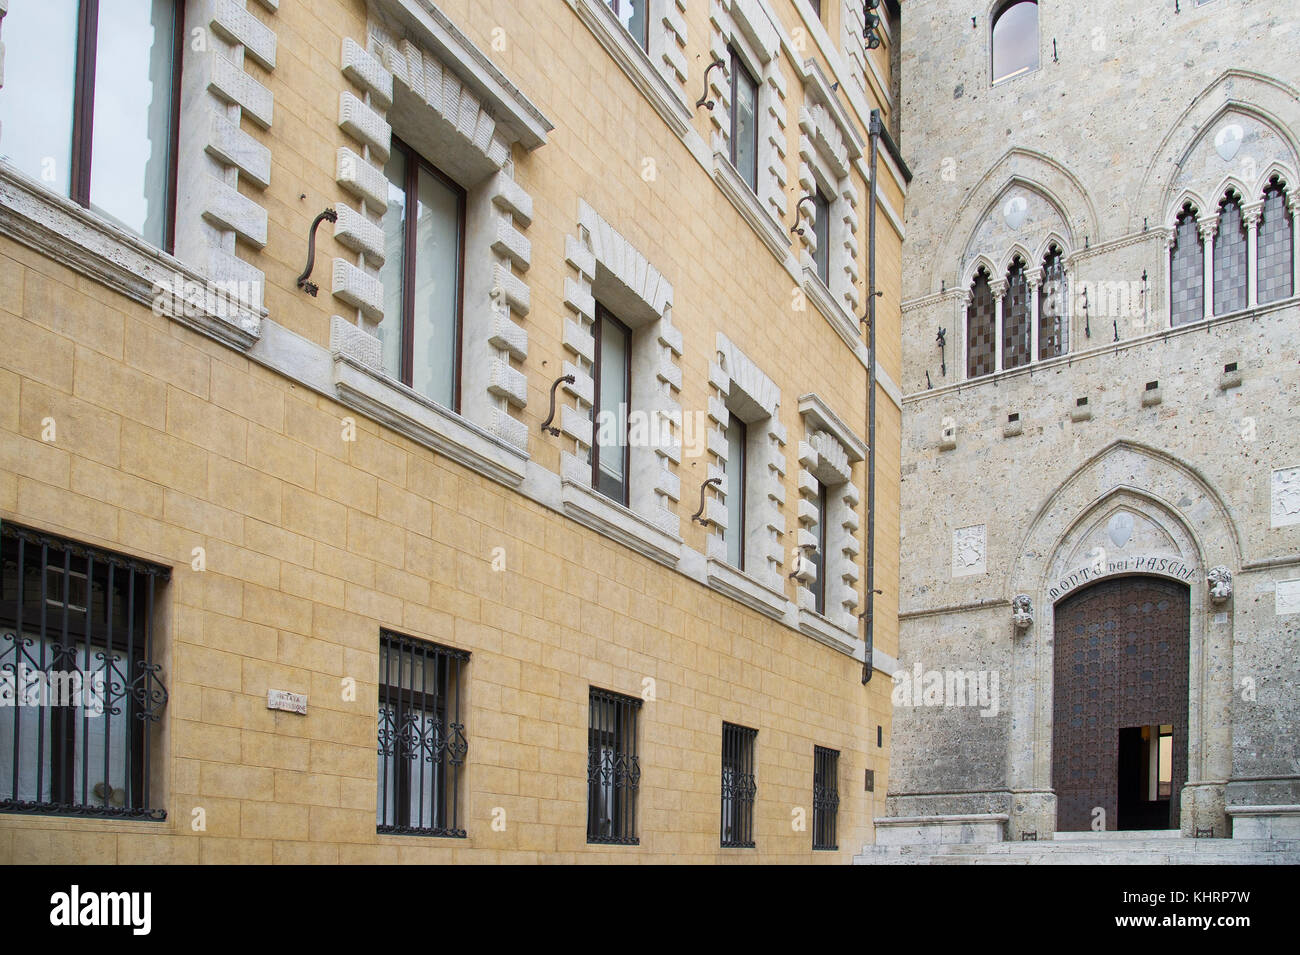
[736,66]
[738,784]
[822,229]
[981,322]
[411,189]
[743,490]
[1051,292]
[1267,234]
[81,159]
[1188,216]
[1228,257]
[603,313]
[826,798]
[612,723]
[137,697]
[448,747]
[819,585]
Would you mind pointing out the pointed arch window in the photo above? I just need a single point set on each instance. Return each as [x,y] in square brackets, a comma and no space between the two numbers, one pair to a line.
[1015,317]
[1274,280]
[981,328]
[1230,257]
[1053,328]
[1186,270]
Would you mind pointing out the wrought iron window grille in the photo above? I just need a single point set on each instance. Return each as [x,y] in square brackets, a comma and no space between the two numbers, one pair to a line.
[738,786]
[77,655]
[826,797]
[422,740]
[613,768]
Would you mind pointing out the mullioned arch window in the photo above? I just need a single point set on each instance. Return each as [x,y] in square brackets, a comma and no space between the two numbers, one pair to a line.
[1186,270]
[1230,257]
[1275,249]
[1053,327]
[1016,318]
[1015,39]
[981,328]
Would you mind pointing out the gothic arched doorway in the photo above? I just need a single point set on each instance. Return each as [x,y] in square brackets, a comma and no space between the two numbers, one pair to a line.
[1119,721]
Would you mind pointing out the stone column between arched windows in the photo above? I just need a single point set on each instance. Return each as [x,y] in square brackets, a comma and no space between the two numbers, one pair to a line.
[999,289]
[1207,228]
[1250,216]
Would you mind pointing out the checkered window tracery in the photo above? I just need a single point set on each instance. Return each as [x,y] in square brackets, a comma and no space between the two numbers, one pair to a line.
[1186,271]
[981,330]
[1015,317]
[1230,258]
[1053,329]
[1274,280]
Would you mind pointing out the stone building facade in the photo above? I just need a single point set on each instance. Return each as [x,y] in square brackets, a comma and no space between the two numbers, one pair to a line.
[1099,366]
[227,427]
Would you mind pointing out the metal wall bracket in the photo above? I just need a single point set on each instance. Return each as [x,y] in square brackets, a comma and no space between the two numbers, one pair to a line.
[546,425]
[704,100]
[310,287]
[698,515]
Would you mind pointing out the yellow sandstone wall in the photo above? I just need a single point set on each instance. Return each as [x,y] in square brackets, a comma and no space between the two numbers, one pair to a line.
[168,441]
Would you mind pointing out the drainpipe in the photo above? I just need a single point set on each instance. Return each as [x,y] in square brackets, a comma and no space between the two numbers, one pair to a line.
[869,613]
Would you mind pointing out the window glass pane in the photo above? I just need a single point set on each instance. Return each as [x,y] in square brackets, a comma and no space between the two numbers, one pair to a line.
[632,14]
[1230,260]
[744,123]
[735,535]
[819,554]
[1015,40]
[101,737]
[39,83]
[1187,272]
[390,329]
[822,208]
[1053,329]
[611,416]
[1015,318]
[131,146]
[437,278]
[1274,240]
[981,328]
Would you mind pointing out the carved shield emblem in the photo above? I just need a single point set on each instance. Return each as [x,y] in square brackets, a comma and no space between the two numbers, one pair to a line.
[1227,141]
[1120,528]
[1014,212]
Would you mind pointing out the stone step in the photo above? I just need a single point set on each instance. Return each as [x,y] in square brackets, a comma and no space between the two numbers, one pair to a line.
[1137,848]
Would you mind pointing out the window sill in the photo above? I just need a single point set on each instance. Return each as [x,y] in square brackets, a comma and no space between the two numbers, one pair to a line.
[1107,348]
[751,210]
[635,62]
[822,630]
[425,422]
[615,521]
[844,324]
[740,586]
[96,248]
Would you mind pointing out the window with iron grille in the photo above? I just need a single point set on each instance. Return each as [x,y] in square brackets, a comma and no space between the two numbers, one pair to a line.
[422,744]
[1274,280]
[1053,327]
[1230,258]
[613,769]
[981,328]
[826,796]
[77,668]
[1015,317]
[1186,271]
[738,787]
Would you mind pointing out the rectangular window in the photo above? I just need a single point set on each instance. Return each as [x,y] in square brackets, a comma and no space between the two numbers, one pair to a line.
[423,275]
[422,743]
[90,105]
[818,557]
[613,770]
[817,7]
[613,384]
[826,796]
[632,14]
[822,229]
[744,122]
[77,664]
[738,786]
[737,435]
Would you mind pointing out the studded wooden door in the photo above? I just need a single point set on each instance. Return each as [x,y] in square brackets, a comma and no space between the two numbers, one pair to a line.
[1121,651]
